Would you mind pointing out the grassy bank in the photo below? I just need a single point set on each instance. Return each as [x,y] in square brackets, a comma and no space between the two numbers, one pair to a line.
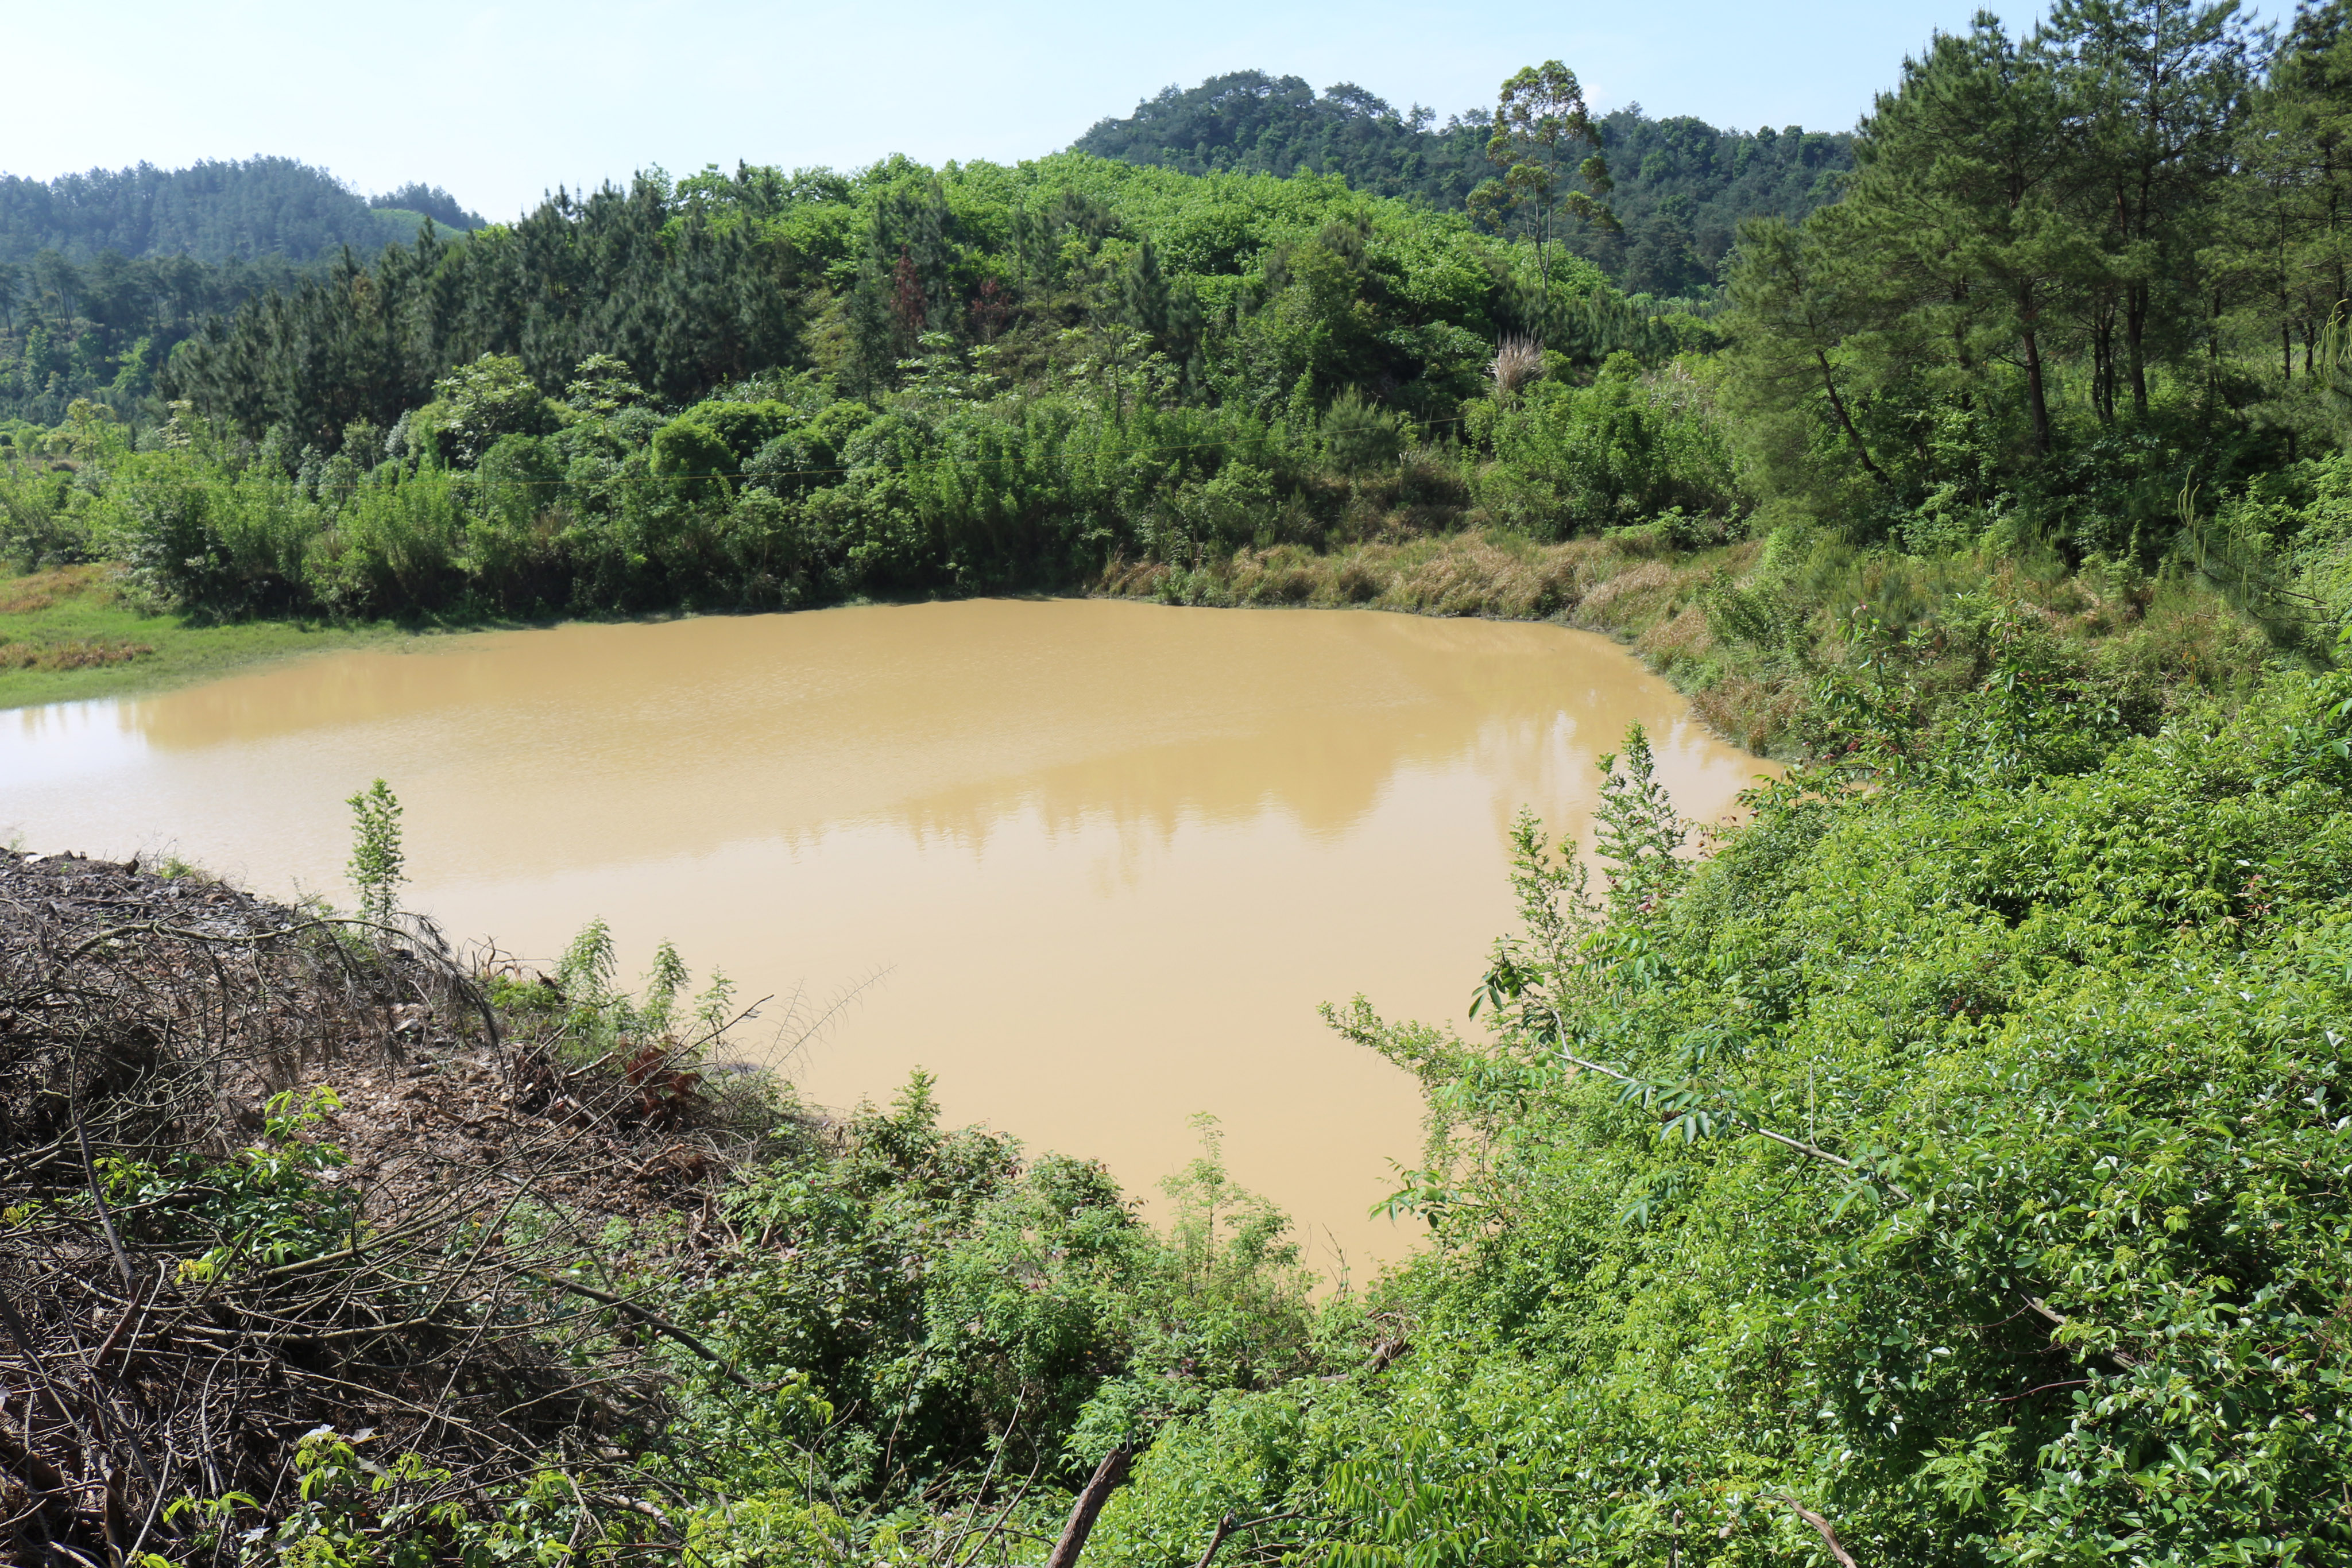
[1777,640]
[1771,638]
[72,632]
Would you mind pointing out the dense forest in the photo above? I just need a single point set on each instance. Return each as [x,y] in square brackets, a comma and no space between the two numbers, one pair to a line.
[102,275]
[764,389]
[97,284]
[213,212]
[1682,188]
[1946,1166]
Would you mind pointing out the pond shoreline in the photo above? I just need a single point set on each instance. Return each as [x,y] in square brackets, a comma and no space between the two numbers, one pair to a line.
[1456,577]
[1026,814]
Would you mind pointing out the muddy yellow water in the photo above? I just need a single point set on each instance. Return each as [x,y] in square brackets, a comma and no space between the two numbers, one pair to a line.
[1092,864]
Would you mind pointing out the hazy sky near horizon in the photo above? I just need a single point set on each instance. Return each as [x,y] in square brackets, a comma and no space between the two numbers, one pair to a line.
[500,102]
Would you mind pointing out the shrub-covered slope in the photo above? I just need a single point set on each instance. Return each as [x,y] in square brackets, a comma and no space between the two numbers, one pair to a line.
[1947,1171]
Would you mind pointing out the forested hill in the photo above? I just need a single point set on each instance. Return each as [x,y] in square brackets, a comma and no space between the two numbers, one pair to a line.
[213,212]
[1682,185]
[1945,1169]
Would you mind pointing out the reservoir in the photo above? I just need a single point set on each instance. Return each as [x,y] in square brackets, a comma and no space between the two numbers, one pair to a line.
[1093,864]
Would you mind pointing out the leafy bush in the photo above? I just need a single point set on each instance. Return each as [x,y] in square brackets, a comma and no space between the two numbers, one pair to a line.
[273,1203]
[477,404]
[932,1306]
[1571,459]
[1943,1169]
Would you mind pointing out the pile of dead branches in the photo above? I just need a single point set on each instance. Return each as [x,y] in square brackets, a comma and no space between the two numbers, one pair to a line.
[203,1256]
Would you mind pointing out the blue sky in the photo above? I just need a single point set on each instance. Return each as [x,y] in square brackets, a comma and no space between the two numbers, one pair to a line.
[499,103]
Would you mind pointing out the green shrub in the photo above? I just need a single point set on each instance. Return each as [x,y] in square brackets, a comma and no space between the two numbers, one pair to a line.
[1950,1161]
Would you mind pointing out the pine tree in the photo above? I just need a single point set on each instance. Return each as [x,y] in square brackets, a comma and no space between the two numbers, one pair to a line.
[2155,90]
[1960,186]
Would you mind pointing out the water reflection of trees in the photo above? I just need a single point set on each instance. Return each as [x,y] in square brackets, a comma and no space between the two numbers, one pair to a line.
[593,744]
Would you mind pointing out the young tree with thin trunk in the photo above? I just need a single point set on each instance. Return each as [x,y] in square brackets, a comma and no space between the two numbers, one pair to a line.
[1799,309]
[1541,126]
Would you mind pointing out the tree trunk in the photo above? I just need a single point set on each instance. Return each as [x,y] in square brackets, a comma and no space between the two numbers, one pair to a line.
[2103,364]
[2214,353]
[2135,310]
[1107,1476]
[1821,1527]
[1846,421]
[2037,395]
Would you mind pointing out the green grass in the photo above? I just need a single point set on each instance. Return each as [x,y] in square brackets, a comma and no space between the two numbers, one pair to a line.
[2147,644]
[70,633]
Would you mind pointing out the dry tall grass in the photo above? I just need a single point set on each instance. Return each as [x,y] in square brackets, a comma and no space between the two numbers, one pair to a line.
[2151,641]
[81,654]
[45,590]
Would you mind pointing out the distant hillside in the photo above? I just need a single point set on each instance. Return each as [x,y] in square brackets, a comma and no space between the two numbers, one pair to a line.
[1682,184]
[213,212]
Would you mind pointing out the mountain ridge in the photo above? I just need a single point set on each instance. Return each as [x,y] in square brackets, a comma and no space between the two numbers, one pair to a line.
[1682,185]
[214,211]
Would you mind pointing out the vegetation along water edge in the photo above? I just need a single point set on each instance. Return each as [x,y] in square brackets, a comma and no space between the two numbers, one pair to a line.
[1947,1166]
[762,391]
